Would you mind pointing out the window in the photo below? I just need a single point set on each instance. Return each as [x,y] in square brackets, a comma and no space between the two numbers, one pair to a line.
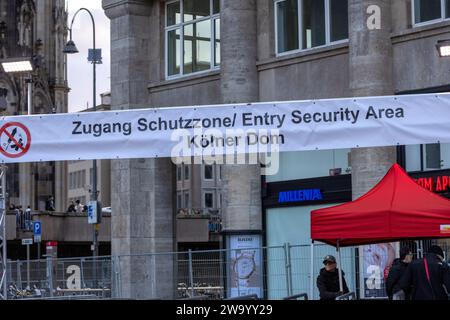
[186,200]
[310,164]
[192,36]
[209,200]
[426,11]
[305,24]
[186,172]
[179,204]
[338,13]
[179,178]
[427,157]
[208,172]
[287,25]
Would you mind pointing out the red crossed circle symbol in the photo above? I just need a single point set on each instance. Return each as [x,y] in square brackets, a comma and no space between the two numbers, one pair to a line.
[13,140]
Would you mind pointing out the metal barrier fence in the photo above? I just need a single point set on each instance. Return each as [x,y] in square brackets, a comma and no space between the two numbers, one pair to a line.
[268,272]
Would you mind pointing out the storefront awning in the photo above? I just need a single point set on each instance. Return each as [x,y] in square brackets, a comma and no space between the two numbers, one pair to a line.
[397,208]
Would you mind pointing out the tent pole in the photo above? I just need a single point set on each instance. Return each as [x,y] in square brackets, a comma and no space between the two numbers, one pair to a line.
[341,285]
[311,279]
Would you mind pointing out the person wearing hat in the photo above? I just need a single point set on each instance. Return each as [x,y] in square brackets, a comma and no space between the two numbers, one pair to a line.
[429,277]
[328,280]
[399,267]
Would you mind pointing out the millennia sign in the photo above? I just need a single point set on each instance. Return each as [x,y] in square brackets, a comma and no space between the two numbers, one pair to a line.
[227,129]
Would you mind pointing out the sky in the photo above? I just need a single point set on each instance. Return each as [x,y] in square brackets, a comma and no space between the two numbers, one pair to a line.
[79,70]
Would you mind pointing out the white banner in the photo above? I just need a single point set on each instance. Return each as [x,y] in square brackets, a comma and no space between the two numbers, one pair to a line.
[227,129]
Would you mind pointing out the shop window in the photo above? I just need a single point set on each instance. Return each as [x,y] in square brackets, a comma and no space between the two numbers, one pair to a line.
[311,164]
[427,157]
[425,11]
[322,22]
[192,36]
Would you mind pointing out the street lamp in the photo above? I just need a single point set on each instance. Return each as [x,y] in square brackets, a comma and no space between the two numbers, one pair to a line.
[11,66]
[94,57]
[443,48]
[16,66]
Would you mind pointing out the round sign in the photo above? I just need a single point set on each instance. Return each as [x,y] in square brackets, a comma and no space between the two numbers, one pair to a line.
[15,140]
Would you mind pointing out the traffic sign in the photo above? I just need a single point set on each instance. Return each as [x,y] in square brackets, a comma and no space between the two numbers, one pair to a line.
[93,212]
[37,231]
[37,238]
[27,242]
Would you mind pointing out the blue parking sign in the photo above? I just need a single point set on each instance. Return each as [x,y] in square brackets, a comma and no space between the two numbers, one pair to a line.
[37,228]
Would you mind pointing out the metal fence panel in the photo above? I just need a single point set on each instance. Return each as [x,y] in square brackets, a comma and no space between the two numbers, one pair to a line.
[210,274]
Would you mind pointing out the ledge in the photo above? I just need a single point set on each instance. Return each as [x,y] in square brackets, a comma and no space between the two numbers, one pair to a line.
[186,81]
[304,56]
[426,31]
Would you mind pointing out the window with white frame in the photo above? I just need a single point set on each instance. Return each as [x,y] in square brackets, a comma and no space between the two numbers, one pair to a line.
[305,24]
[430,11]
[192,36]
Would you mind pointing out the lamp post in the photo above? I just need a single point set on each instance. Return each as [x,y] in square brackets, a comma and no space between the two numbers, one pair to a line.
[12,66]
[94,56]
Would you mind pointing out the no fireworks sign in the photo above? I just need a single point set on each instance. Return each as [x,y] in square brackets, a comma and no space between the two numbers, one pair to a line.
[15,140]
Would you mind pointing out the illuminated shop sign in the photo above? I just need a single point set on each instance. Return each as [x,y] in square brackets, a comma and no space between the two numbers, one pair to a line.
[299,195]
[435,184]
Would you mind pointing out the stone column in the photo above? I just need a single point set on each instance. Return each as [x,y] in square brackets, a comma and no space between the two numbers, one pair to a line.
[370,75]
[142,214]
[60,182]
[239,83]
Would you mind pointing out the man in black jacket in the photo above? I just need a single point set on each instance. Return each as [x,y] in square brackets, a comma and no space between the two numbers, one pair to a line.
[429,277]
[328,280]
[399,267]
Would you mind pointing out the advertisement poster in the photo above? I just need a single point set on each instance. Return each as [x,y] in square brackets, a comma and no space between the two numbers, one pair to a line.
[244,272]
[376,261]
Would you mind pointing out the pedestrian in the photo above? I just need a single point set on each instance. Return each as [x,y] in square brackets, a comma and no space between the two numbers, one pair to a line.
[396,272]
[18,218]
[78,206]
[28,218]
[429,277]
[50,204]
[71,207]
[328,280]
[22,218]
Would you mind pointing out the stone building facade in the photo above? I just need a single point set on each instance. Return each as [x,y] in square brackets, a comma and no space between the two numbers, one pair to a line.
[257,50]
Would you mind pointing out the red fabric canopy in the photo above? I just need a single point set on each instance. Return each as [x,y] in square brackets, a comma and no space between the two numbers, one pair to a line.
[396,208]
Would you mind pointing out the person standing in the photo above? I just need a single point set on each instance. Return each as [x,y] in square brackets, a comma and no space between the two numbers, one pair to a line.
[399,267]
[79,207]
[50,204]
[71,207]
[28,218]
[429,276]
[328,280]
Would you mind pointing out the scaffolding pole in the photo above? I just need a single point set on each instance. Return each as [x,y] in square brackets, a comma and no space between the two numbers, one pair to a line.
[3,259]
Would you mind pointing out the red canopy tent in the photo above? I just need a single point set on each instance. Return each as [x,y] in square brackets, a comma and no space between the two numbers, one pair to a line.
[396,208]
